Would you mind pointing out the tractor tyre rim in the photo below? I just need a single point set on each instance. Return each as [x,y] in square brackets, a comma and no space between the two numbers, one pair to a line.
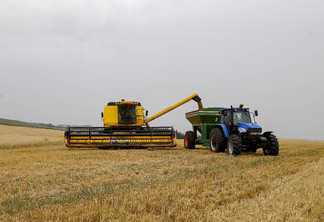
[213,143]
[186,141]
[230,147]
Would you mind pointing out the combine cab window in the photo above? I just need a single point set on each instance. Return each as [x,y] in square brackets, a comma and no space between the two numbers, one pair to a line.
[241,116]
[126,114]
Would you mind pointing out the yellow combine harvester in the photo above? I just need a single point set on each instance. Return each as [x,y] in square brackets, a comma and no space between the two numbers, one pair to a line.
[125,125]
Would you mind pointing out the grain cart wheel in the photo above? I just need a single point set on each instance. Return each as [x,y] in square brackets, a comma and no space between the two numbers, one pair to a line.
[234,144]
[272,149]
[217,142]
[190,140]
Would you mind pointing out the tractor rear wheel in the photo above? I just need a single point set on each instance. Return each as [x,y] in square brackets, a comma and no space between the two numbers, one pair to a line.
[234,145]
[217,141]
[272,149]
[190,140]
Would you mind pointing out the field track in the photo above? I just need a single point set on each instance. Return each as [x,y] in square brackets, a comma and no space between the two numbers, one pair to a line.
[42,180]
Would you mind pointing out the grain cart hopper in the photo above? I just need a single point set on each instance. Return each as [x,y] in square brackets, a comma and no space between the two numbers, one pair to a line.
[125,125]
[231,129]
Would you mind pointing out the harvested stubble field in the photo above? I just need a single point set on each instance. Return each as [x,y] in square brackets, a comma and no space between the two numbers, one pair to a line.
[43,180]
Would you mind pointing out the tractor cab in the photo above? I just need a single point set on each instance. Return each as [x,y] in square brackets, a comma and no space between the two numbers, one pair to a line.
[235,115]
[237,119]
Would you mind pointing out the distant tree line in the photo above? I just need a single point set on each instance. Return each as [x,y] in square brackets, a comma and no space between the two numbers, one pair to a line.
[180,135]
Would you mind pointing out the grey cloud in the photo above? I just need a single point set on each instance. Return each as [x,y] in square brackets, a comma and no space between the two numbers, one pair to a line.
[62,61]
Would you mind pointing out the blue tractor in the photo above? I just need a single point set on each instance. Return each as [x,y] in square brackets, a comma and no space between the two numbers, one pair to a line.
[230,129]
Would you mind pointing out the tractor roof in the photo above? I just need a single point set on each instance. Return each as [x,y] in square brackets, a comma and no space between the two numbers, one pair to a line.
[235,109]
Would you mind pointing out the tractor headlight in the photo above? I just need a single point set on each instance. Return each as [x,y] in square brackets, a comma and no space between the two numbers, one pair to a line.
[256,133]
[241,130]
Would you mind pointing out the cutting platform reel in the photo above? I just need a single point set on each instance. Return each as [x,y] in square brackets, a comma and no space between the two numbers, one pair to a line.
[120,137]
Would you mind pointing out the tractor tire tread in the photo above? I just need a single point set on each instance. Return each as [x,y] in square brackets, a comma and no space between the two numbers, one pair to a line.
[220,145]
[273,146]
[237,144]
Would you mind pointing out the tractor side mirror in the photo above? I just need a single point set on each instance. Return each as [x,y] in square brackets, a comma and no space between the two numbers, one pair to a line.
[101,115]
[146,113]
[256,112]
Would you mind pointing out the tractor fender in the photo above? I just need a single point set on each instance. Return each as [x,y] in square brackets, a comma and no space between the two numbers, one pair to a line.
[267,133]
[264,138]
[223,128]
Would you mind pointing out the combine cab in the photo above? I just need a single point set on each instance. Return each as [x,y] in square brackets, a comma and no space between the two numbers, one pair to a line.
[125,125]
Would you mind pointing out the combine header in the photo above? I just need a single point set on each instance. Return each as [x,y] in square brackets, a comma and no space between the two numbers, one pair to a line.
[125,125]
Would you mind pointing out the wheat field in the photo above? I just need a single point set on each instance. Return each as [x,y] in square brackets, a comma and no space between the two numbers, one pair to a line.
[42,180]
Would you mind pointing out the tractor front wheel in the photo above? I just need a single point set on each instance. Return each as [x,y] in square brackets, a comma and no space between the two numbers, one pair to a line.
[190,140]
[217,142]
[234,145]
[272,149]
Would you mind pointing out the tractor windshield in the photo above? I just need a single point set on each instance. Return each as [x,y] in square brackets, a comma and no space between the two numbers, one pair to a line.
[126,114]
[241,116]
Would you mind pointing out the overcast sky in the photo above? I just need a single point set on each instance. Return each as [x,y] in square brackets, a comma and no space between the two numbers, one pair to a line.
[61,61]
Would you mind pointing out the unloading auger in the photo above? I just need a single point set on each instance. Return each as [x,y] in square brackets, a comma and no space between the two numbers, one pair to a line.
[125,125]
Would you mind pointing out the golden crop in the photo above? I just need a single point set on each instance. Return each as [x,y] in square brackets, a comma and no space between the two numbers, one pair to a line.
[42,180]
